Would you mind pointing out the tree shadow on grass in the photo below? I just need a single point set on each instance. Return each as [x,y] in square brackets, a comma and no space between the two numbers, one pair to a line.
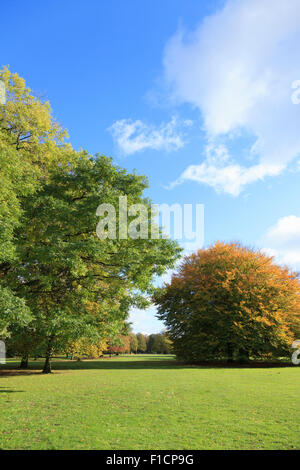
[104,364]
[8,390]
[110,364]
[12,370]
[120,364]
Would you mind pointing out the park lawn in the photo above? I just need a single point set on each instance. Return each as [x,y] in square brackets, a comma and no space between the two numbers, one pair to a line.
[149,402]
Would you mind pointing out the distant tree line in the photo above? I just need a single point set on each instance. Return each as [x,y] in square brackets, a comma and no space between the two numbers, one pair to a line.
[157,343]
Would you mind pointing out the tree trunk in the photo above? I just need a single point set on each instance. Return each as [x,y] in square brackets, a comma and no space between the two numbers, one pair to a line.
[243,355]
[24,362]
[47,364]
[230,353]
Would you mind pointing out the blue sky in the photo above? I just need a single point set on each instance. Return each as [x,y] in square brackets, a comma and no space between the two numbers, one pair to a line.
[197,95]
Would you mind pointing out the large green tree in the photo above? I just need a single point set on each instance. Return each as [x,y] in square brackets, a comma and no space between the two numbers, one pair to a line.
[65,268]
[58,281]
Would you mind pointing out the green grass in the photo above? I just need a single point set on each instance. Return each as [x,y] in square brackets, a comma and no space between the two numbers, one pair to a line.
[149,402]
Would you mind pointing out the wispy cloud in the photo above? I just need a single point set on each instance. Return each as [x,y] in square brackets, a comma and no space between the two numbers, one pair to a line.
[136,136]
[223,175]
[238,68]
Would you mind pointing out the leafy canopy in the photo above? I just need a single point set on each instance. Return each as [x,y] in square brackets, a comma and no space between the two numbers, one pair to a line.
[231,301]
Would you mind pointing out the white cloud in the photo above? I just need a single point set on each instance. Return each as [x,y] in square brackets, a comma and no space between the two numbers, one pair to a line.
[283,241]
[238,68]
[135,136]
[286,230]
[145,321]
[228,179]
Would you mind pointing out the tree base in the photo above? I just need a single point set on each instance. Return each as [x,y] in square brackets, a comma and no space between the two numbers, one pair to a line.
[47,368]
[24,363]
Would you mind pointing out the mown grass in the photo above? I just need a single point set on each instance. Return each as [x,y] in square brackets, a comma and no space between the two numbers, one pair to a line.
[148,402]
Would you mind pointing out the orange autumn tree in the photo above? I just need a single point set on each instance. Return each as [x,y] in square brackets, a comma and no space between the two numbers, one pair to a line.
[231,302]
[119,345]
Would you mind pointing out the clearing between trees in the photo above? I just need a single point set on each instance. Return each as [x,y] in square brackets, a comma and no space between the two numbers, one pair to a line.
[148,402]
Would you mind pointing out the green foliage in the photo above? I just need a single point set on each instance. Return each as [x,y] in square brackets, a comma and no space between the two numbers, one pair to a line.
[159,343]
[68,269]
[30,140]
[141,343]
[29,143]
[13,311]
[133,343]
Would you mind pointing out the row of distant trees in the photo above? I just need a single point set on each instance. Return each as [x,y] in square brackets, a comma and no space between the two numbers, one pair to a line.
[139,343]
[86,347]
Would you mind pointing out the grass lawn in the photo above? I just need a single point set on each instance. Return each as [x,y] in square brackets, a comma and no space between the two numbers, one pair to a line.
[148,402]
